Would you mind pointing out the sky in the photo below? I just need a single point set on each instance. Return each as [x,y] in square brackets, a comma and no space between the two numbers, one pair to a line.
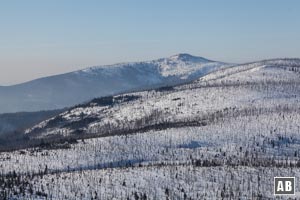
[42,38]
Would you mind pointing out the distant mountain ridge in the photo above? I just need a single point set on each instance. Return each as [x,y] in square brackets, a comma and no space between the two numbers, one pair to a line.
[68,89]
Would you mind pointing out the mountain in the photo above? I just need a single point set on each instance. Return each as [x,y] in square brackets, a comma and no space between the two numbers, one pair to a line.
[224,135]
[260,85]
[68,89]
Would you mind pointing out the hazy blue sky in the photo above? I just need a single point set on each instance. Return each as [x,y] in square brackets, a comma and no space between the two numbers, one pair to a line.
[39,38]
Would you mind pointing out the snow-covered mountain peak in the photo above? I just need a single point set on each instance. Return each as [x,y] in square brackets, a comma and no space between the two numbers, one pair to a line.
[183,65]
[178,59]
[186,66]
[83,85]
[184,57]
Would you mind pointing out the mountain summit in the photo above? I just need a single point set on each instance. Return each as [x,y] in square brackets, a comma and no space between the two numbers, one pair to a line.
[189,58]
[76,87]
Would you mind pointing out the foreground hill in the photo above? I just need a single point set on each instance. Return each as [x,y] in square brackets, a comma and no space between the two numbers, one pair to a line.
[76,87]
[222,136]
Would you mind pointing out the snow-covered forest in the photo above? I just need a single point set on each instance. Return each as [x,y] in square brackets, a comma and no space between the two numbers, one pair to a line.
[222,136]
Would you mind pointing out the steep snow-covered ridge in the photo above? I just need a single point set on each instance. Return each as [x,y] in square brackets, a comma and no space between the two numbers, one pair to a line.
[76,87]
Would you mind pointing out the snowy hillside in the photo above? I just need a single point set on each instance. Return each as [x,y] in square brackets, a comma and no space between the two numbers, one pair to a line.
[76,87]
[261,86]
[222,136]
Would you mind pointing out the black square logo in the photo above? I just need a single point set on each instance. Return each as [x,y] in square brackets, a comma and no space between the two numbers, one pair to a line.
[284,185]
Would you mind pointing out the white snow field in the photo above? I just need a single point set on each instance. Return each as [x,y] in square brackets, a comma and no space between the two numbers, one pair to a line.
[222,136]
